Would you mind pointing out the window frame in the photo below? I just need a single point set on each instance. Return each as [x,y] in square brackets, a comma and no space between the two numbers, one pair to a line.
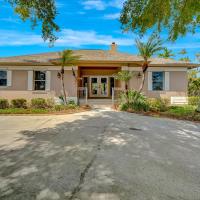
[38,80]
[3,86]
[163,81]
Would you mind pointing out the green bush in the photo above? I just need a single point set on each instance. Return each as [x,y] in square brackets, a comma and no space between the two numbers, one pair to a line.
[71,102]
[60,107]
[50,103]
[38,103]
[19,103]
[182,111]
[4,104]
[194,101]
[158,105]
[133,100]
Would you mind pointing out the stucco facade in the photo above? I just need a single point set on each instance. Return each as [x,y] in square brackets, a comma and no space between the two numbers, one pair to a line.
[94,71]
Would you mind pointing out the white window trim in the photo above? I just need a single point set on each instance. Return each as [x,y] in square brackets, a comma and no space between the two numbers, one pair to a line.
[30,80]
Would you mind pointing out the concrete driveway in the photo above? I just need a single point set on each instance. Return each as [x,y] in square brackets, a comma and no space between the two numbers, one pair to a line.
[99,155]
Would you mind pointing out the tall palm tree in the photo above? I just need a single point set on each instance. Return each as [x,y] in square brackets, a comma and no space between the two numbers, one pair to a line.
[167,53]
[124,76]
[147,50]
[67,58]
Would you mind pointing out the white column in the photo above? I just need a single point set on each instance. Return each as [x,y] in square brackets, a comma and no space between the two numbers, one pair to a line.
[30,80]
[9,78]
[150,81]
[167,81]
[48,81]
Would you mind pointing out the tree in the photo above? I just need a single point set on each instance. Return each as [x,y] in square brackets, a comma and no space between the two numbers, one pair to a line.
[176,16]
[125,76]
[184,58]
[147,50]
[166,53]
[198,57]
[193,83]
[38,11]
[67,58]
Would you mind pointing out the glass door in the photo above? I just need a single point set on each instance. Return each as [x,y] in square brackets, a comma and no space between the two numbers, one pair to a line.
[94,87]
[99,86]
[103,82]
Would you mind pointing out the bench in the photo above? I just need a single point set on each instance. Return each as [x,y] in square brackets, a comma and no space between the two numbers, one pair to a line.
[179,100]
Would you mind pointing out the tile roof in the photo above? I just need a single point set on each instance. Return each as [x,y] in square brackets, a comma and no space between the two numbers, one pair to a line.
[89,55]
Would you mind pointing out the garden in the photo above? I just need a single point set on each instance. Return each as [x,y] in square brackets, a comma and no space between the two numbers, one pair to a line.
[38,106]
[136,102]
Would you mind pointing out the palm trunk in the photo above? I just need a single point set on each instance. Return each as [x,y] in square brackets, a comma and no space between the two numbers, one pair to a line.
[143,81]
[63,86]
[126,88]
[144,69]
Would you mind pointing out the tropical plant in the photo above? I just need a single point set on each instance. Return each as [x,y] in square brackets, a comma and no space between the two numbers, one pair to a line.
[124,76]
[166,53]
[177,17]
[193,83]
[147,50]
[185,59]
[67,58]
[136,101]
[38,11]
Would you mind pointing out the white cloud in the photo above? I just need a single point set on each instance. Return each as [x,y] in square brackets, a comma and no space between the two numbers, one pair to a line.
[112,16]
[10,20]
[94,4]
[67,38]
[102,4]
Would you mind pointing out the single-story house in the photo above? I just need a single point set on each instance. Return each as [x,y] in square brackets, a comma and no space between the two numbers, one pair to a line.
[33,76]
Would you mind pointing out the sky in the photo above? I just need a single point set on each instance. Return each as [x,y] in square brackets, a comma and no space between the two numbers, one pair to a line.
[84,24]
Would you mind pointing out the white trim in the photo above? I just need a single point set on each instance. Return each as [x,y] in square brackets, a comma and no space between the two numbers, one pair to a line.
[30,80]
[167,81]
[163,69]
[125,68]
[9,78]
[38,68]
[48,81]
[150,81]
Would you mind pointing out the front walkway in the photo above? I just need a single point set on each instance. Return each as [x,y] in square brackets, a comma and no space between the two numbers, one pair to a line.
[98,155]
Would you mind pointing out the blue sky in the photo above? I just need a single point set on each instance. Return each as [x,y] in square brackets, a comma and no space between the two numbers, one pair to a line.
[84,24]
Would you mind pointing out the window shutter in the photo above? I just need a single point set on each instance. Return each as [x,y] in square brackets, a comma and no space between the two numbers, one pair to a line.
[48,81]
[9,78]
[167,81]
[30,80]
[150,81]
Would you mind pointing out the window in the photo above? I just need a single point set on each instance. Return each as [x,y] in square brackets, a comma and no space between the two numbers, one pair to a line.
[3,78]
[40,80]
[158,80]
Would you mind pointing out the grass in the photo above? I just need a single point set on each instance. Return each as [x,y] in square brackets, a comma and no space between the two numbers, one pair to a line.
[187,112]
[55,110]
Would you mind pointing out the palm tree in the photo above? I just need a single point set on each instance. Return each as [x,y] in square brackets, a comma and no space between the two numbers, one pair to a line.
[167,53]
[147,50]
[124,76]
[67,58]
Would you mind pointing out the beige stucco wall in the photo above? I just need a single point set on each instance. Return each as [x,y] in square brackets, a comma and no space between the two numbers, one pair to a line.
[19,87]
[178,85]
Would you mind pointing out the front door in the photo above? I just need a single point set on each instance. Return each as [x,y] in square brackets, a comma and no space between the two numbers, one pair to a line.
[99,86]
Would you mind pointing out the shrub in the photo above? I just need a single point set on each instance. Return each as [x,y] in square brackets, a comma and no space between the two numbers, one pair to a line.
[4,104]
[194,101]
[71,102]
[38,103]
[50,103]
[19,103]
[133,100]
[59,107]
[158,105]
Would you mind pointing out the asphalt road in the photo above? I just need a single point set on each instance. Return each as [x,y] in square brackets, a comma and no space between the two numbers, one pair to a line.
[99,155]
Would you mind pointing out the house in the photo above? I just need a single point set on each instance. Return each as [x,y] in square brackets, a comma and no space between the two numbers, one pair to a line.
[33,76]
